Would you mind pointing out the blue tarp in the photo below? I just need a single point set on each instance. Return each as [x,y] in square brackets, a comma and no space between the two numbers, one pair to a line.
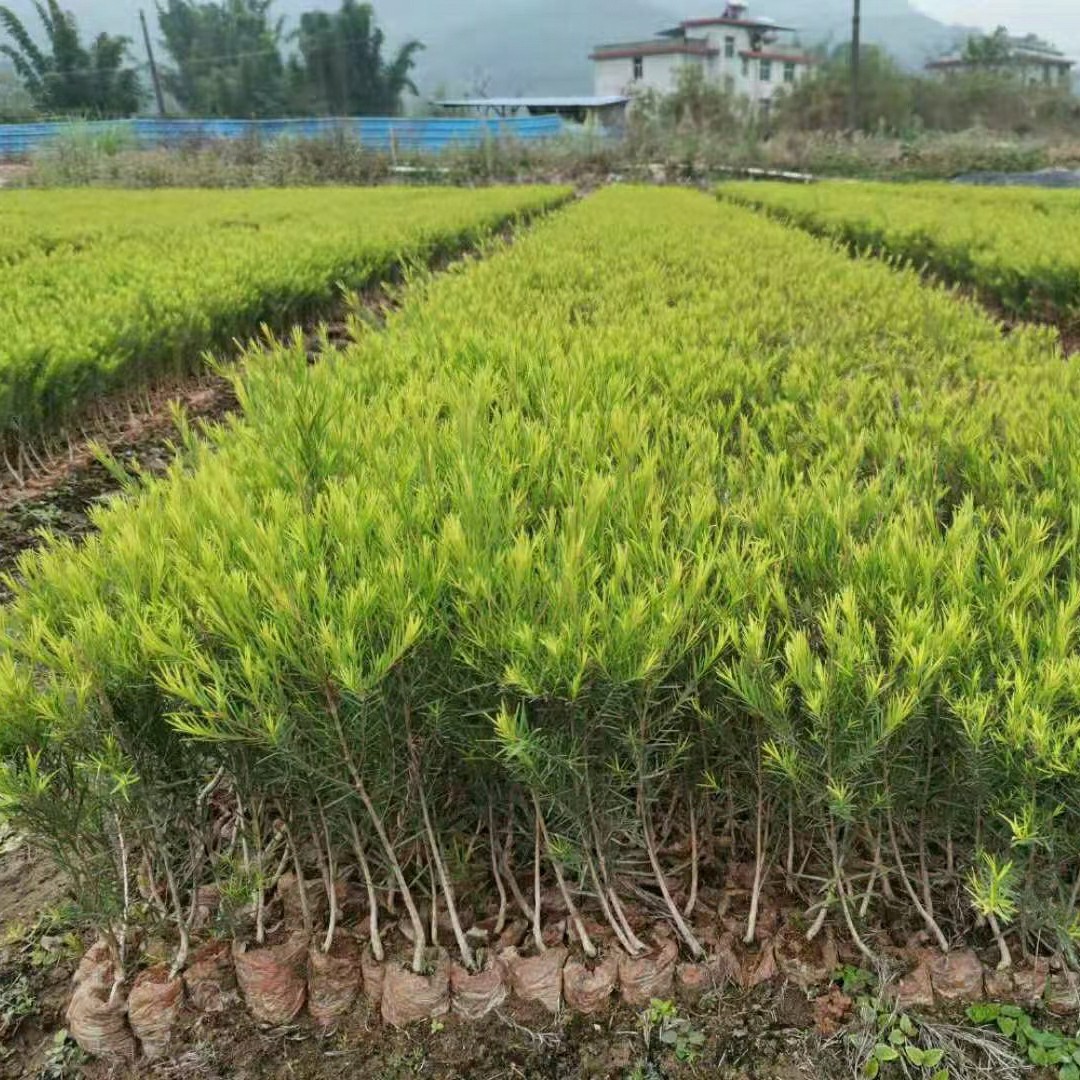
[379,133]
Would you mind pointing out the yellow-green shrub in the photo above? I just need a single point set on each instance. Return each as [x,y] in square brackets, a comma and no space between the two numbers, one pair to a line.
[1018,246]
[666,507]
[104,289]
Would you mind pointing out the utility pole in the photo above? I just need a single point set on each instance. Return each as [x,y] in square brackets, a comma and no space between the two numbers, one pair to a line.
[856,36]
[153,66]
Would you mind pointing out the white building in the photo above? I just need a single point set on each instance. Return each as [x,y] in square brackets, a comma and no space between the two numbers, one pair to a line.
[745,55]
[1028,58]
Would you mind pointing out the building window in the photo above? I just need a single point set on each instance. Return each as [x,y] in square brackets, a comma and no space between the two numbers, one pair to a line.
[639,68]
[789,72]
[729,47]
[745,68]
[766,71]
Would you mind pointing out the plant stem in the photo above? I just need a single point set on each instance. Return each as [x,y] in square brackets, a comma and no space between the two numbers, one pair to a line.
[575,915]
[500,921]
[841,892]
[444,878]
[419,938]
[685,932]
[691,900]
[538,936]
[369,885]
[1002,944]
[928,919]
[759,860]
[298,870]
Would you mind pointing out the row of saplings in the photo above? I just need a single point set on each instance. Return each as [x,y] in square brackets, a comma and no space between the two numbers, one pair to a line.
[294,971]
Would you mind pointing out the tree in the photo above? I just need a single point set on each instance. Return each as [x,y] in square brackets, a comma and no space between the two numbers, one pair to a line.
[226,57]
[66,76]
[823,102]
[15,103]
[340,70]
[988,48]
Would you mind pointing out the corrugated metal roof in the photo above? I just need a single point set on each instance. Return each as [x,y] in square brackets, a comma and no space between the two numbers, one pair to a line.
[534,102]
[375,133]
[655,47]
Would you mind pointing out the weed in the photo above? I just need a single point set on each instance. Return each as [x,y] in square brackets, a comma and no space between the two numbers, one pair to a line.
[663,1028]
[64,1059]
[1049,1049]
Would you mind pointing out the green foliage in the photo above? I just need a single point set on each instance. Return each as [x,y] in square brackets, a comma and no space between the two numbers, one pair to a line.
[1016,246]
[67,76]
[16,105]
[102,290]
[886,94]
[63,1060]
[663,1028]
[17,1002]
[340,69]
[988,48]
[889,1043]
[892,99]
[992,887]
[226,57]
[1047,1049]
[854,981]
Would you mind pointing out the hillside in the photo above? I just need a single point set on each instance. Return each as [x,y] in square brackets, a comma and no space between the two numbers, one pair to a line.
[542,46]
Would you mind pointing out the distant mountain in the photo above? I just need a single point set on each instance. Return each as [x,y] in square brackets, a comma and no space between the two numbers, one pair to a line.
[910,35]
[542,46]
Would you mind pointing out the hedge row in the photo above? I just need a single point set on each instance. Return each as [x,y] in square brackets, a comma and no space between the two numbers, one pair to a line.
[664,540]
[108,289]
[1020,248]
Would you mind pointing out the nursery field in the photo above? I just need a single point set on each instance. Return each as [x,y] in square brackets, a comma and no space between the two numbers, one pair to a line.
[106,289]
[1018,247]
[665,599]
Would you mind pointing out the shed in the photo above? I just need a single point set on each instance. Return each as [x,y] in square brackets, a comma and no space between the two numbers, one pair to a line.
[608,111]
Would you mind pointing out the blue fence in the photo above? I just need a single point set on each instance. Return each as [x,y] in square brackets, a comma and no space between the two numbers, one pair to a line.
[380,133]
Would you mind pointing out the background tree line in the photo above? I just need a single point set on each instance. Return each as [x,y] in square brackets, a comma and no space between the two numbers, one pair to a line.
[234,58]
[221,58]
[892,100]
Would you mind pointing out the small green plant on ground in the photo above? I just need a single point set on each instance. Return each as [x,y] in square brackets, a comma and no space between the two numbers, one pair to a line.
[884,1042]
[894,1044]
[64,1059]
[17,1002]
[1049,1049]
[663,1028]
[854,981]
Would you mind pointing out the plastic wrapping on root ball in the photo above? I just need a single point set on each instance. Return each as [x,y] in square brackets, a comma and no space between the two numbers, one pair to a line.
[95,966]
[273,979]
[154,1006]
[374,975]
[537,978]
[98,1025]
[210,978]
[473,996]
[407,997]
[333,980]
[650,976]
[292,906]
[588,990]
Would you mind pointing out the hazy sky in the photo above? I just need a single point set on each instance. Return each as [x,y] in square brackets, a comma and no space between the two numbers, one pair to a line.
[1058,20]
